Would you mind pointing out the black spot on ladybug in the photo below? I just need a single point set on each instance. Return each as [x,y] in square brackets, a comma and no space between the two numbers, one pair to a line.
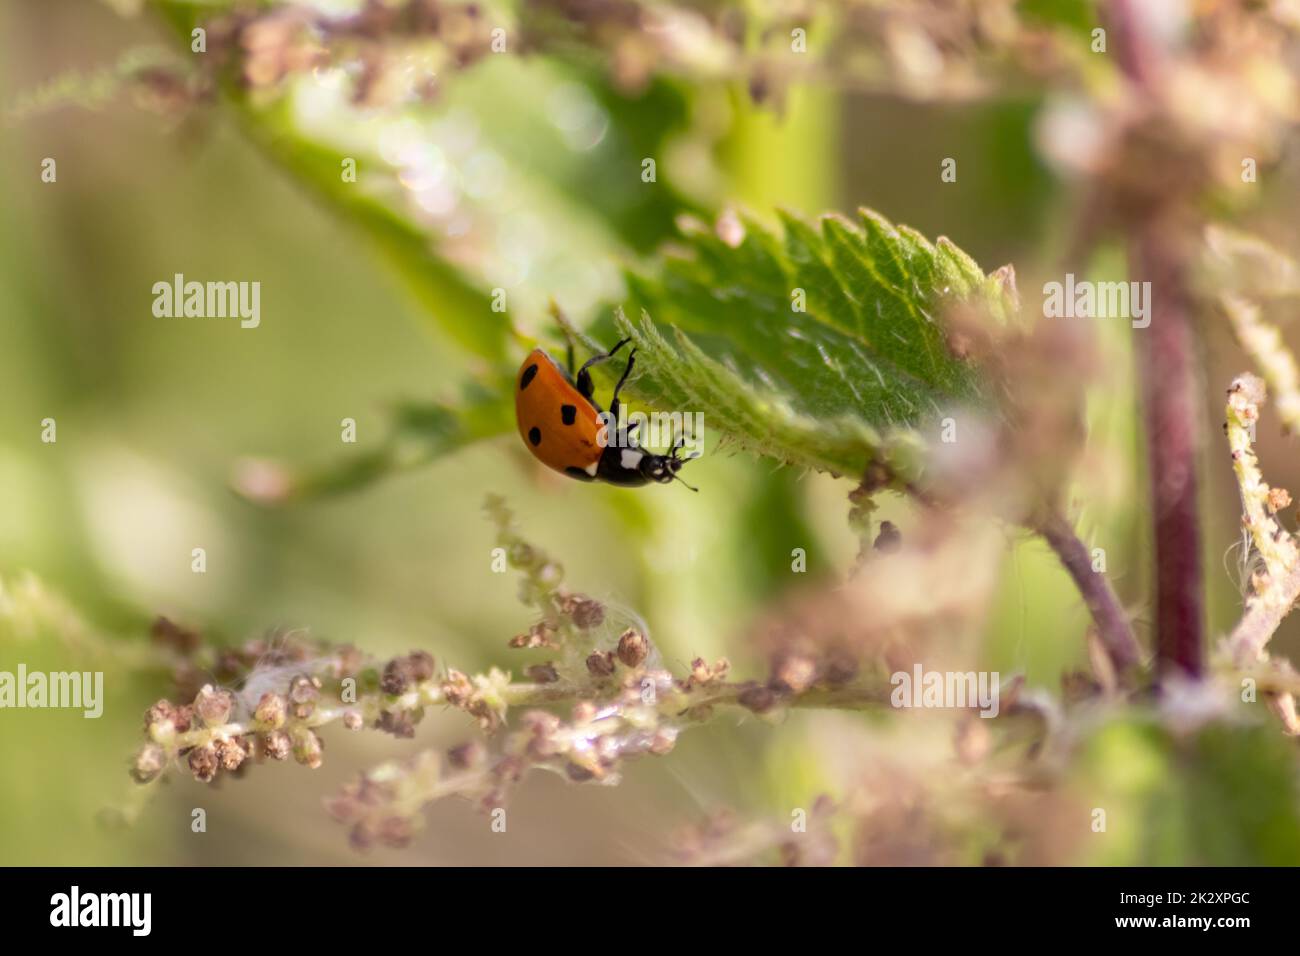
[535,436]
[529,374]
[575,472]
[569,413]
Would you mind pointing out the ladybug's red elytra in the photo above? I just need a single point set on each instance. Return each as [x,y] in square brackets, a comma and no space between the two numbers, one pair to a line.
[559,422]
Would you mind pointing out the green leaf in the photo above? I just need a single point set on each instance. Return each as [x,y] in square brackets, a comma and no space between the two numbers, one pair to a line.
[446,295]
[541,204]
[849,379]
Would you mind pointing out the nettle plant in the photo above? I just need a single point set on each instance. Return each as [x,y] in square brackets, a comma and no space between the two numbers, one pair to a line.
[848,345]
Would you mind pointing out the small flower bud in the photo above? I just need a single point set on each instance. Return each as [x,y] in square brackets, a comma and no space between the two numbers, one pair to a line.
[542,673]
[541,634]
[550,574]
[230,753]
[149,762]
[466,756]
[163,710]
[600,663]
[277,745]
[203,763]
[307,749]
[457,689]
[213,706]
[633,648]
[304,691]
[270,711]
[400,723]
[352,720]
[421,665]
[587,613]
[160,721]
[794,673]
[396,679]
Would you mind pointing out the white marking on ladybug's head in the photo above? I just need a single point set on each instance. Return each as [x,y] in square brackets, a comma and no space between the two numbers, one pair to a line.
[591,469]
[630,459]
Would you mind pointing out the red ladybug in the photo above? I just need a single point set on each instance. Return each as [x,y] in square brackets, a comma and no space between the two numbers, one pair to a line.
[559,422]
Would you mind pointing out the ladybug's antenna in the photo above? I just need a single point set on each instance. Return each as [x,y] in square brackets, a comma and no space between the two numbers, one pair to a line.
[677,447]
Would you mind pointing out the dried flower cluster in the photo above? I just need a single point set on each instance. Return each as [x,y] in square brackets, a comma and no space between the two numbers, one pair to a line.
[398,51]
[1275,586]
[602,698]
[619,703]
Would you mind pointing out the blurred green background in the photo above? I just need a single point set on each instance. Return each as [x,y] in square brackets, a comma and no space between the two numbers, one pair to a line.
[153,414]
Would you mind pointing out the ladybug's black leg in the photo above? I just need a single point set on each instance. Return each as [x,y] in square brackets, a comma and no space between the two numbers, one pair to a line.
[613,400]
[586,388]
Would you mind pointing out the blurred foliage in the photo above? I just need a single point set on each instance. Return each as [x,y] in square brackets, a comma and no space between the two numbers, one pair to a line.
[521,173]
[1223,795]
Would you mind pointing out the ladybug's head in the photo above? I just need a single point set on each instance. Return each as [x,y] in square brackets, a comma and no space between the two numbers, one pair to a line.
[664,468]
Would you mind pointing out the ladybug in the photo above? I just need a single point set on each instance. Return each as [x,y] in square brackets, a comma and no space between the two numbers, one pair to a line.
[558,421]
